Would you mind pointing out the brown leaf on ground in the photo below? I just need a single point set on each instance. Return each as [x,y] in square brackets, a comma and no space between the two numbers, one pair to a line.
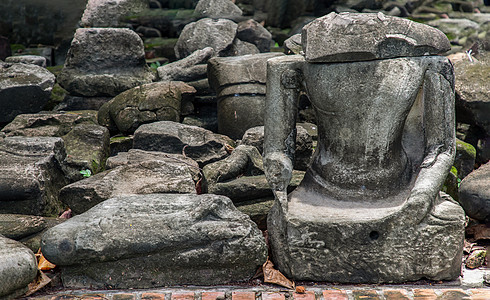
[66,214]
[300,289]
[272,275]
[41,281]
[42,263]
[479,232]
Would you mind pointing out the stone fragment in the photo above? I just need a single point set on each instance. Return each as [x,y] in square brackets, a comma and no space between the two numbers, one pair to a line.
[472,91]
[224,9]
[31,175]
[239,83]
[453,26]
[354,37]
[15,226]
[190,68]
[118,66]
[137,172]
[476,259]
[143,241]
[251,31]
[197,143]
[74,103]
[293,45]
[55,124]
[27,59]
[24,88]
[152,102]
[474,194]
[17,270]
[87,147]
[215,33]
[303,149]
[465,158]
[110,13]
[240,48]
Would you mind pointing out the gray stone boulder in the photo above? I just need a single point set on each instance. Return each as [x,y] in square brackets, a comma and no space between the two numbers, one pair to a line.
[119,63]
[75,103]
[197,143]
[293,44]
[152,102]
[144,241]
[239,48]
[28,59]
[303,149]
[370,36]
[111,13]
[239,83]
[189,68]
[24,88]
[87,147]
[224,9]
[31,175]
[251,31]
[14,226]
[134,172]
[215,33]
[54,124]
[17,270]
[472,91]
[455,28]
[474,194]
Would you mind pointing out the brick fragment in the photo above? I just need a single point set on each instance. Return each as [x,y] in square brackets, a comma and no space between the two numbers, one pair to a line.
[365,295]
[454,294]
[335,295]
[124,297]
[153,296]
[308,295]
[424,294]
[398,294]
[272,296]
[183,296]
[213,295]
[480,294]
[243,296]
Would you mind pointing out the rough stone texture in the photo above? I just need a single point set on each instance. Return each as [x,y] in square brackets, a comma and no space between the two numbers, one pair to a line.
[239,48]
[197,143]
[54,124]
[87,147]
[369,208]
[240,85]
[465,158]
[472,91]
[293,44]
[453,26]
[303,146]
[118,66]
[217,9]
[354,37]
[74,103]
[189,68]
[31,175]
[27,59]
[251,31]
[474,194]
[153,175]
[110,13]
[144,241]
[158,101]
[215,33]
[24,88]
[17,270]
[15,226]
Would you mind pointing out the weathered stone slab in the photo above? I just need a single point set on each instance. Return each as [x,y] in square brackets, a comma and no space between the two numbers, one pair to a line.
[24,88]
[354,37]
[27,59]
[251,31]
[474,194]
[197,143]
[31,175]
[110,13]
[155,174]
[217,9]
[143,241]
[17,270]
[188,68]
[118,66]
[216,33]
[15,226]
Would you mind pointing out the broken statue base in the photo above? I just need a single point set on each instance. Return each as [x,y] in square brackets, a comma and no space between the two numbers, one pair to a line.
[343,243]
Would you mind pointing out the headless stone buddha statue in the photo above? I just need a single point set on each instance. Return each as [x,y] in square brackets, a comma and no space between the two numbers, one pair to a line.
[369,207]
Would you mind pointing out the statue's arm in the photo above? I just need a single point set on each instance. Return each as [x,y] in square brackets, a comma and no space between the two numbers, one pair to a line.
[439,126]
[283,88]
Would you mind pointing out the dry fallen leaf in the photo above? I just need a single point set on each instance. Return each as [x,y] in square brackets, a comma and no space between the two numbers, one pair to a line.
[272,275]
[42,263]
[300,289]
[39,282]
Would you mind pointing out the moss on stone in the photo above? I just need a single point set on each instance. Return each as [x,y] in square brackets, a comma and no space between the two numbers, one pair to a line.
[466,150]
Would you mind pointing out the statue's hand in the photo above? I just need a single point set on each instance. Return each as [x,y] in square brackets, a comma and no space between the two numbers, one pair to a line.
[278,169]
